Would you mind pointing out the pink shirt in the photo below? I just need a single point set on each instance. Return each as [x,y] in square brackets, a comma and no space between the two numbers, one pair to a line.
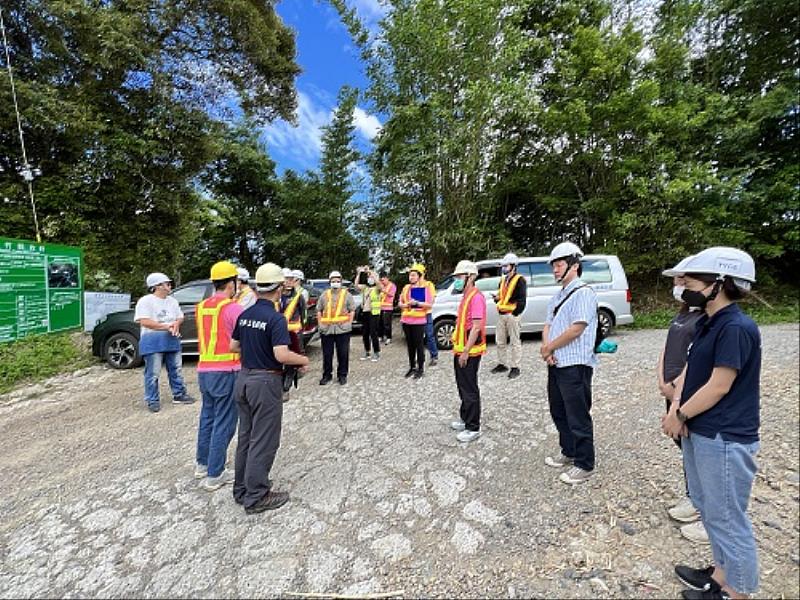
[477,309]
[228,317]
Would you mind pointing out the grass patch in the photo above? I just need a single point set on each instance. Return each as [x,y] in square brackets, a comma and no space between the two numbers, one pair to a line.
[40,356]
[780,310]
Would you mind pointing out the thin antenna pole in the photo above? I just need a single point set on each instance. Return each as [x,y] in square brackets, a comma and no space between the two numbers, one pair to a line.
[27,172]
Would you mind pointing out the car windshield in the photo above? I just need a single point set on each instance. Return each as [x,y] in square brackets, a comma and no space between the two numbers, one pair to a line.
[191,294]
[445,283]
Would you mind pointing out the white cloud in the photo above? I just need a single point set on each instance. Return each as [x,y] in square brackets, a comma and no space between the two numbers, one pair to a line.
[371,11]
[304,141]
[366,124]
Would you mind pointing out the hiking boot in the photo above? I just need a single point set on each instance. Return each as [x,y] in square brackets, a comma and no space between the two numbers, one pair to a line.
[342,380]
[364,356]
[186,399]
[200,471]
[418,373]
[433,361]
[214,483]
[270,501]
[575,475]
[684,511]
[558,461]
[513,373]
[409,373]
[714,592]
[457,425]
[697,579]
[154,407]
[695,532]
[468,436]
[499,369]
[325,380]
[376,357]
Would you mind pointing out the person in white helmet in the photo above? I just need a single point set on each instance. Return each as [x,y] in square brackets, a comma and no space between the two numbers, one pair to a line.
[297,278]
[245,296]
[510,300]
[335,311]
[716,410]
[568,342]
[160,317]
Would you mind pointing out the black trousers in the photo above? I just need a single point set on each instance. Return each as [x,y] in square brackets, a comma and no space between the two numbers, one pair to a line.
[369,331]
[340,342]
[569,391]
[386,324]
[259,400]
[415,343]
[469,392]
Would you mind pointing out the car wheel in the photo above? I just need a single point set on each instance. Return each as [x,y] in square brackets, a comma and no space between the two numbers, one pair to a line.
[122,351]
[606,320]
[443,333]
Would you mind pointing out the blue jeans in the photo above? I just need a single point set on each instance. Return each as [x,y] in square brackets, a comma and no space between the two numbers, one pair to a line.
[429,339]
[720,476]
[152,370]
[218,417]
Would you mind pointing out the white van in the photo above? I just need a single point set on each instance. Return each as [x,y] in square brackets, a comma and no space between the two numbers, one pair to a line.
[603,272]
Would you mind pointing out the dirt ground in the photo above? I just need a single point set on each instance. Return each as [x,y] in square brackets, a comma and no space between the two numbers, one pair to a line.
[99,498]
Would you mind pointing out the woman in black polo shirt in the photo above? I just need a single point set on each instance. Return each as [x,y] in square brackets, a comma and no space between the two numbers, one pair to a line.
[718,417]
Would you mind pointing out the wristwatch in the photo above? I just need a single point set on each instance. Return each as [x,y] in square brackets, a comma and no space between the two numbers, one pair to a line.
[681,416]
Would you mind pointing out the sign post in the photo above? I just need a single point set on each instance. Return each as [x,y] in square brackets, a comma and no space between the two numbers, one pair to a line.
[41,288]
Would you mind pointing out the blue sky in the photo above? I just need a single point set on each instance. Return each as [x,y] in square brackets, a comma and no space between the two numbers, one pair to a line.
[328,61]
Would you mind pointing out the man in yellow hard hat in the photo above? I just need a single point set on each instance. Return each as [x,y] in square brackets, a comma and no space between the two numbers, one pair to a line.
[217,368]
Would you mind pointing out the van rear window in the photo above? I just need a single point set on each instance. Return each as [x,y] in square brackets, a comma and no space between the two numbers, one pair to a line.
[596,271]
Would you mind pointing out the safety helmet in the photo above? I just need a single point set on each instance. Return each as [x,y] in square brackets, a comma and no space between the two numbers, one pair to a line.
[268,277]
[298,274]
[334,274]
[418,268]
[287,272]
[724,262]
[466,267]
[510,259]
[244,274]
[677,270]
[155,279]
[223,270]
[565,250]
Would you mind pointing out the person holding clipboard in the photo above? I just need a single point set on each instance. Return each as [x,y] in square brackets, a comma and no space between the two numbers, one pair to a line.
[415,300]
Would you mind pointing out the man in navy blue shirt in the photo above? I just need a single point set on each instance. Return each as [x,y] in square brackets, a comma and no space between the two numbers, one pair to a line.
[261,336]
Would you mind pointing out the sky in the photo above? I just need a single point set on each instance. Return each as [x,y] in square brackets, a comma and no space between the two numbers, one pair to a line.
[329,60]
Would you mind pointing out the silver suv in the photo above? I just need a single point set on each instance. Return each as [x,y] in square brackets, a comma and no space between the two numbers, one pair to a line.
[603,272]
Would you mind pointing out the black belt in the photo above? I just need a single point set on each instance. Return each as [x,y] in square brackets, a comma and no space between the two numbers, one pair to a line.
[276,371]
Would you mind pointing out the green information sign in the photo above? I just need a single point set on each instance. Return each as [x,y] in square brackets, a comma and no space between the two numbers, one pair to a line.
[41,288]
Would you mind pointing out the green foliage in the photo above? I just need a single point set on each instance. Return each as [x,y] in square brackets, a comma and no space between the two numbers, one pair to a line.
[41,356]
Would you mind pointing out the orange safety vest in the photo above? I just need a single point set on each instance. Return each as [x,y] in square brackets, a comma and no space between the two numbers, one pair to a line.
[335,316]
[387,298]
[291,313]
[414,313]
[214,342]
[504,304]
[461,332]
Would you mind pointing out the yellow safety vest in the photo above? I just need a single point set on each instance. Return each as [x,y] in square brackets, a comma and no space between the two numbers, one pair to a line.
[214,343]
[293,324]
[461,332]
[332,316]
[507,288]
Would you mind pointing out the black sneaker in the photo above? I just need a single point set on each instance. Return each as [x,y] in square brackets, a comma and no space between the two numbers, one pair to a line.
[409,373]
[271,501]
[154,408]
[342,380]
[500,369]
[697,579]
[713,593]
[325,380]
[513,373]
[417,373]
[433,361]
[187,399]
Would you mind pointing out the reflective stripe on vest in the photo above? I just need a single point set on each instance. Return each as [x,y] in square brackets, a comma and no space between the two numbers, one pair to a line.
[329,317]
[214,343]
[461,333]
[292,321]
[507,288]
[387,298]
[414,313]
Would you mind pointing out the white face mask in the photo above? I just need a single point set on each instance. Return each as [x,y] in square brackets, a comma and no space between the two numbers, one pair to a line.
[336,284]
[677,292]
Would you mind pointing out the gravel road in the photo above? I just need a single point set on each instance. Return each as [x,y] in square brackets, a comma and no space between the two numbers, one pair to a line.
[99,499]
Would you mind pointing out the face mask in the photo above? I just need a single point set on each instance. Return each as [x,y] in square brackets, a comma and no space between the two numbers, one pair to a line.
[506,269]
[336,284]
[694,299]
[370,281]
[677,292]
[458,285]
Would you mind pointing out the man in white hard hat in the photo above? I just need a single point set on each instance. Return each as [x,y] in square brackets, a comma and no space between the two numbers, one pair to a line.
[510,299]
[568,342]
[245,297]
[261,336]
[297,278]
[335,311]
[469,344]
[160,317]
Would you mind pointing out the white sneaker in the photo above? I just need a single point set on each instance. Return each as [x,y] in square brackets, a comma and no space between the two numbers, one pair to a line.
[457,425]
[684,511]
[558,461]
[467,435]
[376,357]
[695,532]
[214,483]
[200,471]
[364,356]
[575,475]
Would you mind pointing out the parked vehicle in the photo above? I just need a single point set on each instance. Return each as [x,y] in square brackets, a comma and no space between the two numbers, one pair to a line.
[603,272]
[116,338]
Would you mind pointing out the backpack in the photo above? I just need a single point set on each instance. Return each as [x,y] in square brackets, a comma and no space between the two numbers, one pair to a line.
[599,335]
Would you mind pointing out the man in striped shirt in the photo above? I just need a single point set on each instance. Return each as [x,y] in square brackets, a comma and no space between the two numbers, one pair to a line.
[568,342]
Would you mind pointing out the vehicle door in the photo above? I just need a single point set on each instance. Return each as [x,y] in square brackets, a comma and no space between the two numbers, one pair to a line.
[188,296]
[541,287]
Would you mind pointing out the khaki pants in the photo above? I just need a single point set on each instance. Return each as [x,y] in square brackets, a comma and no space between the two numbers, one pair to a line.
[508,333]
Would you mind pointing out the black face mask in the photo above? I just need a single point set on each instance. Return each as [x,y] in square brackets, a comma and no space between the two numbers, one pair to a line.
[699,300]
